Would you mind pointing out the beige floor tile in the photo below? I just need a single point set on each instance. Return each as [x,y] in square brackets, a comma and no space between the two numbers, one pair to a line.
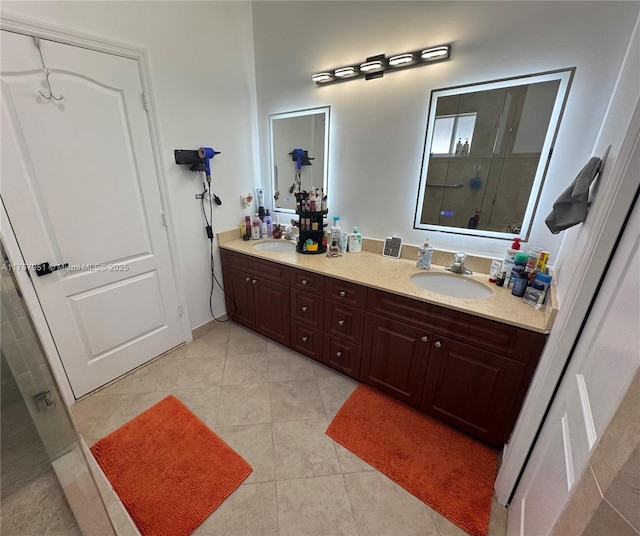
[249,368]
[497,520]
[121,520]
[317,506]
[288,365]
[334,391]
[302,449]
[245,341]
[200,372]
[381,507]
[248,511]
[215,342]
[294,400]
[244,404]
[254,443]
[160,375]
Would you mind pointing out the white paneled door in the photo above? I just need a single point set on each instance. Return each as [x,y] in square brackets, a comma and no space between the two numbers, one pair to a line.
[80,187]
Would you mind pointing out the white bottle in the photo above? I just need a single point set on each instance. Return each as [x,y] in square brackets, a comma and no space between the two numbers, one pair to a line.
[336,235]
[425,253]
[465,148]
[355,241]
[459,147]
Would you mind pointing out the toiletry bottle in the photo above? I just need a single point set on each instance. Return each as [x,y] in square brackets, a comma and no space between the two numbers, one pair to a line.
[520,284]
[269,222]
[355,241]
[336,234]
[260,199]
[263,230]
[344,242]
[247,223]
[255,228]
[465,148]
[459,147]
[495,271]
[532,261]
[425,253]
[509,258]
[519,265]
[543,259]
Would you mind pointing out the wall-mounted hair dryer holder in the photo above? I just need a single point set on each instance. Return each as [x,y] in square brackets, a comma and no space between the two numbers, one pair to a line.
[198,160]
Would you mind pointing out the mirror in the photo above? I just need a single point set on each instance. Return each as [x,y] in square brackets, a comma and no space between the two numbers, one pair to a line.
[299,143]
[486,152]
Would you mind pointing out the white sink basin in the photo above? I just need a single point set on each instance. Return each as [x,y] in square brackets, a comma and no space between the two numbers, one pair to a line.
[274,246]
[456,286]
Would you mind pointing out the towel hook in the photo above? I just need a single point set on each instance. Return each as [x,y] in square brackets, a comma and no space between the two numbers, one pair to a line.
[36,41]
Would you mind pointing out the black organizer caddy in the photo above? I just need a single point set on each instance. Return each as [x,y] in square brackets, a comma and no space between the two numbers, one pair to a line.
[311,224]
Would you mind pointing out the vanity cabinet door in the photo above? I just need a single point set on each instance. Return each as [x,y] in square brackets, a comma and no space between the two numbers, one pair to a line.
[239,297]
[307,308]
[395,358]
[473,390]
[342,356]
[272,311]
[344,321]
[306,340]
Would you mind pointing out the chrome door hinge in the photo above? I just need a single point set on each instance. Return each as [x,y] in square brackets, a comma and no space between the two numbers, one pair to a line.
[180,310]
[145,102]
[165,219]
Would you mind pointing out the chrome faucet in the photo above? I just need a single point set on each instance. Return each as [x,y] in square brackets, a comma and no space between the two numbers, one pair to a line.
[458,264]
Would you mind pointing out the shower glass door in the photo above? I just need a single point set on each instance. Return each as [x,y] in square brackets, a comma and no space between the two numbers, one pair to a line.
[46,485]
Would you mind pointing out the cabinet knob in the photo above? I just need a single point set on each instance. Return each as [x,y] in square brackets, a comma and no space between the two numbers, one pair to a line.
[247,279]
[338,354]
[425,339]
[254,281]
[341,322]
[304,281]
[343,293]
[438,344]
[305,338]
[304,309]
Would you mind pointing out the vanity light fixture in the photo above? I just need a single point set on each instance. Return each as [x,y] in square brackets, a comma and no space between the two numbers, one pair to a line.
[376,66]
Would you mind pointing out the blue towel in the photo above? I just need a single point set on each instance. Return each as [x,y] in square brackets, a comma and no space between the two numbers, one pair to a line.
[571,207]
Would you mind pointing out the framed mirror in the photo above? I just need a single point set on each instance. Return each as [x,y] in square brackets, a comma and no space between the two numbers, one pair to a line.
[486,152]
[299,145]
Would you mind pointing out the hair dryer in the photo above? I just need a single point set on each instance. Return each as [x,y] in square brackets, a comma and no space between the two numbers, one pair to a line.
[206,153]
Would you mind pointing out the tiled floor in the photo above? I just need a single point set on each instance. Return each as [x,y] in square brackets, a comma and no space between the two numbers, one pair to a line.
[272,406]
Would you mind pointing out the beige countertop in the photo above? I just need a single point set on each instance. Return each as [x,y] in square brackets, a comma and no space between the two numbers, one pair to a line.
[393,275]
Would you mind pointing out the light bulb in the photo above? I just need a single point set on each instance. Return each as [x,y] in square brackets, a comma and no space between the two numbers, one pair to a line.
[400,59]
[321,77]
[432,53]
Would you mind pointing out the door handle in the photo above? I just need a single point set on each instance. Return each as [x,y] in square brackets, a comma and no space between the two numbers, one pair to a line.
[45,268]
[341,322]
[438,344]
[424,339]
[304,308]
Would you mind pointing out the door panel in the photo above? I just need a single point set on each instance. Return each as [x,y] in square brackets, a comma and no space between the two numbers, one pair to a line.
[80,187]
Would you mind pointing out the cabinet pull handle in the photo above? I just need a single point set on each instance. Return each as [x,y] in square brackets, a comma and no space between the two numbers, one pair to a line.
[425,339]
[304,281]
[254,281]
[341,322]
[438,344]
[305,338]
[247,279]
[304,309]
[338,354]
[343,293]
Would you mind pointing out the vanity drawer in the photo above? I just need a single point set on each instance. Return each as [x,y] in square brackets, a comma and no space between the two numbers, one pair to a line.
[306,340]
[345,292]
[307,281]
[343,321]
[255,267]
[518,344]
[307,308]
[342,356]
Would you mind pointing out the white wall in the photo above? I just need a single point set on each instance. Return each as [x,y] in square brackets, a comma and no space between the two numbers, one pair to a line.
[203,81]
[378,126]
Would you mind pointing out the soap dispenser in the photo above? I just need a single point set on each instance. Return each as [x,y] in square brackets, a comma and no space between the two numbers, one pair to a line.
[425,252]
[509,259]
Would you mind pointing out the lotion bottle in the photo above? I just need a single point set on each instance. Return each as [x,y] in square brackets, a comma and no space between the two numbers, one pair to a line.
[355,241]
[425,253]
